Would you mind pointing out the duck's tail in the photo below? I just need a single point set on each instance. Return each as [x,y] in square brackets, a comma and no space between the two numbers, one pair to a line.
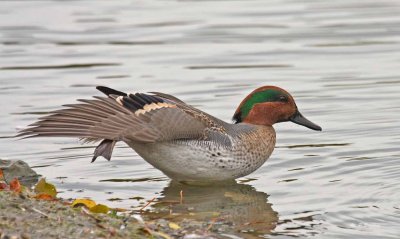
[105,149]
[92,120]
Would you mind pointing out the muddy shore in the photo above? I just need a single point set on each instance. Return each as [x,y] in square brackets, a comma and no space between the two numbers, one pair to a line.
[22,217]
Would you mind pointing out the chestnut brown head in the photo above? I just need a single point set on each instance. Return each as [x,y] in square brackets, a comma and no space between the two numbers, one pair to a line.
[268,105]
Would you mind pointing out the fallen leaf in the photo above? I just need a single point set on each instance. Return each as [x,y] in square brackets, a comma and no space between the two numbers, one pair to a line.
[43,187]
[1,175]
[3,186]
[83,202]
[174,226]
[99,208]
[44,196]
[15,185]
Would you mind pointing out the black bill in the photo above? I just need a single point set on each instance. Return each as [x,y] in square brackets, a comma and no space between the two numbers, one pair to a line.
[298,118]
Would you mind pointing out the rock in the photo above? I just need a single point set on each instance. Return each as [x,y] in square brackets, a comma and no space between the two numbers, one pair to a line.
[18,169]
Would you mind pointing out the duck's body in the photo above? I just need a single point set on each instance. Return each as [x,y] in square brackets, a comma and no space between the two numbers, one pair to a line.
[243,150]
[183,142]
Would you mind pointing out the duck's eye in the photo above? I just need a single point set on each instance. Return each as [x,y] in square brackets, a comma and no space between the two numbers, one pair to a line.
[283,98]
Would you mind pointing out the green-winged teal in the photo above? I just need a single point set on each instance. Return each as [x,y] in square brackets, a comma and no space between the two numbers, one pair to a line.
[183,142]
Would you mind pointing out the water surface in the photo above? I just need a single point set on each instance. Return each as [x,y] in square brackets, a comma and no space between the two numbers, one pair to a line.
[339,59]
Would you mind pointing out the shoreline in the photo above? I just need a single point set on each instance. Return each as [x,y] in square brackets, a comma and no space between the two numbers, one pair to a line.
[23,217]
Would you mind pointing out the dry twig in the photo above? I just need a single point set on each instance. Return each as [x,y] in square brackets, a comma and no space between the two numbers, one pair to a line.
[147,204]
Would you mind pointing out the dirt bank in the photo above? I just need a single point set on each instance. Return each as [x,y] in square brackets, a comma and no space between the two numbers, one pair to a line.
[23,217]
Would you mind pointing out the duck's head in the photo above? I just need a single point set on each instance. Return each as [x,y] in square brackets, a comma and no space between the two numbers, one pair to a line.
[268,105]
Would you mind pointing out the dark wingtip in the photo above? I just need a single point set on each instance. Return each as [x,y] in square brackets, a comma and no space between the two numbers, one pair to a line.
[108,91]
[93,159]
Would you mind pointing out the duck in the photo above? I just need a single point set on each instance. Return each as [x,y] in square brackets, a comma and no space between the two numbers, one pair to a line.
[185,143]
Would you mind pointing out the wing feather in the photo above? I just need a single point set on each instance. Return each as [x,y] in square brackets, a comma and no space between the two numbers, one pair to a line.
[129,117]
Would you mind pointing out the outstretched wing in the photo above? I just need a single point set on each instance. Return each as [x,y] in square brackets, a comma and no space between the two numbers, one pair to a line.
[134,117]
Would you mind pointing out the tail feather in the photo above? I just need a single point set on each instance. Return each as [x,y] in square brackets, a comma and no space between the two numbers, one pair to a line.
[105,149]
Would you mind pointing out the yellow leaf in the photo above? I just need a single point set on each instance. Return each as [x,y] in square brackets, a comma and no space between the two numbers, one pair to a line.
[85,202]
[43,187]
[174,226]
[99,208]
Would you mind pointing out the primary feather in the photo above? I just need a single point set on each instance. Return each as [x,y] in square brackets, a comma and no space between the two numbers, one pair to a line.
[139,117]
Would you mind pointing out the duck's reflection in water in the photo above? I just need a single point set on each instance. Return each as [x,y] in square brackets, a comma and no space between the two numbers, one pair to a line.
[227,209]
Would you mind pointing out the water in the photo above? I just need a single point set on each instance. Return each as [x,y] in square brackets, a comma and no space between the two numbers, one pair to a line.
[339,59]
